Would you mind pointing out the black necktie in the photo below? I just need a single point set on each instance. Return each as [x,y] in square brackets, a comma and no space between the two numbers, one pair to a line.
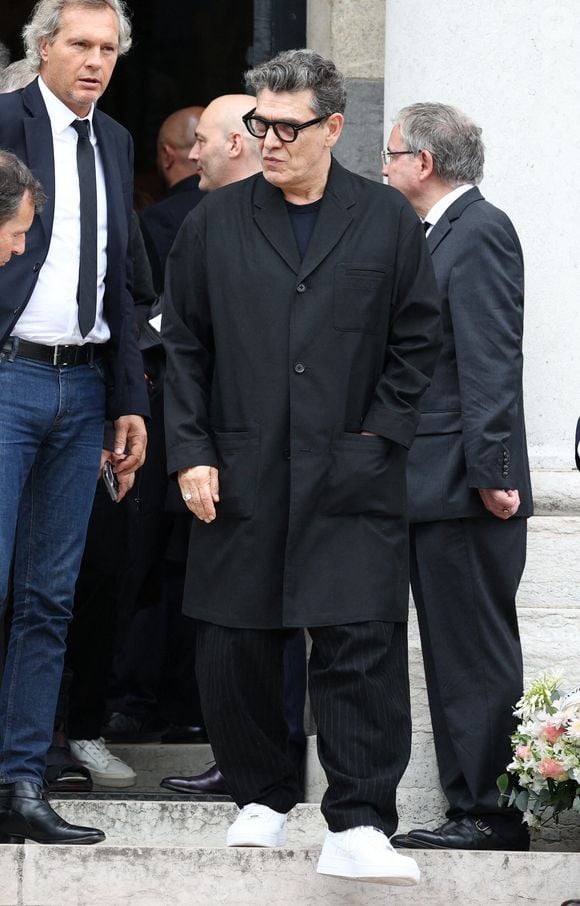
[87,289]
[426,225]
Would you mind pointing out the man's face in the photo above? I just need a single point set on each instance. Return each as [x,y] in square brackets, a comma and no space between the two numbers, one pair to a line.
[209,152]
[13,231]
[78,65]
[403,170]
[292,166]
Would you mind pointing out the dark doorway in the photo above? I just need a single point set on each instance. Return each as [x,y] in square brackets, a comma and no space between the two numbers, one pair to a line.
[184,52]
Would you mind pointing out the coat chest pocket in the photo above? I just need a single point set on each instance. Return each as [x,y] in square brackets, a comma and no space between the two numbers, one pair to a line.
[366,475]
[361,298]
[238,457]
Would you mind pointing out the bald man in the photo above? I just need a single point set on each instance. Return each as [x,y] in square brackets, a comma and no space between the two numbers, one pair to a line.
[224,151]
[160,222]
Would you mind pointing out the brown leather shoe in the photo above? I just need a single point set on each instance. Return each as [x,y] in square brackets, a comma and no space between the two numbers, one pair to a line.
[211,781]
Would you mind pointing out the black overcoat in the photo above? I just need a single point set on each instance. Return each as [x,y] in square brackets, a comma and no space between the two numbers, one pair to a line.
[274,366]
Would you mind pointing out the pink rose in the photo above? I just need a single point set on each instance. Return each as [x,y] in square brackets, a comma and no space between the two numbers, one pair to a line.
[523,752]
[551,768]
[552,733]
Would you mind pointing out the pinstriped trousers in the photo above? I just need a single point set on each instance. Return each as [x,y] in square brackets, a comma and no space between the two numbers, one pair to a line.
[359,691]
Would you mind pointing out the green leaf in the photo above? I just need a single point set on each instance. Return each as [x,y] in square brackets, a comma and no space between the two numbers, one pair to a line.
[576,803]
[502,783]
[522,800]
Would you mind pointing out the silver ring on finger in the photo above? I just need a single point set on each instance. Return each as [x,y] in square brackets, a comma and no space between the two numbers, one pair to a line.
[187,496]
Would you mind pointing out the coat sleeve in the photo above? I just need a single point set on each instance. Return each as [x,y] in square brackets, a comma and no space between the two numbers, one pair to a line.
[414,338]
[486,292]
[188,338]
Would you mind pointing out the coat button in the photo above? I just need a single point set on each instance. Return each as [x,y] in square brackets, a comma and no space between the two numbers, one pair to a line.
[36,267]
[299,368]
[301,288]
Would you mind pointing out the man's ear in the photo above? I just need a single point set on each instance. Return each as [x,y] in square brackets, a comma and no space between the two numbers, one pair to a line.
[166,156]
[427,165]
[334,125]
[234,144]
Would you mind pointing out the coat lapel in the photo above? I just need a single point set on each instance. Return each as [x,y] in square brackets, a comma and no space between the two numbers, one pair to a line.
[334,218]
[445,223]
[39,150]
[115,206]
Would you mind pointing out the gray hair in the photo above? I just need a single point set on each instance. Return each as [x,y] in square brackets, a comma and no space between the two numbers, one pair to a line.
[16,75]
[45,23]
[300,70]
[449,135]
[15,180]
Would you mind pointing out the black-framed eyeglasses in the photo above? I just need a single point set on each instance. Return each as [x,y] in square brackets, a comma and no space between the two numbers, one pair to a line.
[387,156]
[286,132]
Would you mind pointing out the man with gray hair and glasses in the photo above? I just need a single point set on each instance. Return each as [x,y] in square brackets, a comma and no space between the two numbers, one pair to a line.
[301,325]
[68,359]
[21,196]
[468,477]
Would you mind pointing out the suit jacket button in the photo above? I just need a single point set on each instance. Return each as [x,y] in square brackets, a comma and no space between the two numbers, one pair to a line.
[301,288]
[36,267]
[299,368]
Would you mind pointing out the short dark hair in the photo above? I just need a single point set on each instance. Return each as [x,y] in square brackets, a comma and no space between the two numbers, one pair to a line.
[15,180]
[300,70]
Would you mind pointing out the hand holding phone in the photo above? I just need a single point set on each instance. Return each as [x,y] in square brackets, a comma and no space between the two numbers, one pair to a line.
[111,481]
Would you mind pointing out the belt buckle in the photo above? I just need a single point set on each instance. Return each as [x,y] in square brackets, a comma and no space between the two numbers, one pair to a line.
[60,357]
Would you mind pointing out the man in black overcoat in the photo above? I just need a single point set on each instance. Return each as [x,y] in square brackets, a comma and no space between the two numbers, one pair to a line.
[468,476]
[301,327]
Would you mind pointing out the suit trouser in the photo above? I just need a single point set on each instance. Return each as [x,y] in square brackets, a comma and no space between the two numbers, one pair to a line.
[359,691]
[464,576]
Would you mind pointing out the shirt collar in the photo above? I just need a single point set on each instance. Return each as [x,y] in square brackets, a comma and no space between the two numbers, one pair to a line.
[59,114]
[439,208]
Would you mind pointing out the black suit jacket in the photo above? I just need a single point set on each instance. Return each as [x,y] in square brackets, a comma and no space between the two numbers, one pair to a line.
[160,223]
[471,432]
[25,130]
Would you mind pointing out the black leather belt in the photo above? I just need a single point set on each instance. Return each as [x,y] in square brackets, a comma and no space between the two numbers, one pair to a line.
[53,355]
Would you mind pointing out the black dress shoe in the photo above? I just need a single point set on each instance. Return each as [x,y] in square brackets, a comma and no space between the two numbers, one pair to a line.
[181,733]
[468,832]
[210,781]
[26,815]
[128,729]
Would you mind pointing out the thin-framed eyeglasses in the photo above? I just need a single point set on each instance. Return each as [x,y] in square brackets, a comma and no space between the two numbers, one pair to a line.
[387,156]
[286,132]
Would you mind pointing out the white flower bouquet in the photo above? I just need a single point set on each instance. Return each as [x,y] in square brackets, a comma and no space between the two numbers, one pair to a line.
[544,776]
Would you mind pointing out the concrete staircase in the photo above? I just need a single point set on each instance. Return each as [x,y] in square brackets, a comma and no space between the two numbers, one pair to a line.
[171,852]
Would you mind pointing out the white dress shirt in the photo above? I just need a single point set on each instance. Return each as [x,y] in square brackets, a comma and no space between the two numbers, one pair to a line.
[51,316]
[441,206]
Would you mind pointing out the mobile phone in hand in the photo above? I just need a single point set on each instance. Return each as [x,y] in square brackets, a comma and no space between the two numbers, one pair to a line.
[111,481]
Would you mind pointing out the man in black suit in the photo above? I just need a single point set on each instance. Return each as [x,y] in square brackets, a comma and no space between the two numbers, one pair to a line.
[301,325]
[69,358]
[468,476]
[160,222]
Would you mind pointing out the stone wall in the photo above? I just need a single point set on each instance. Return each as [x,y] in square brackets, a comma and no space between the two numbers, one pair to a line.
[353,35]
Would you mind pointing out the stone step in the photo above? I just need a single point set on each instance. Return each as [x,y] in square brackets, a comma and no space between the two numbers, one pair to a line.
[173,854]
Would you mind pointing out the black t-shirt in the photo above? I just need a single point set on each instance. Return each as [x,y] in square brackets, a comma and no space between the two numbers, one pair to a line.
[303,218]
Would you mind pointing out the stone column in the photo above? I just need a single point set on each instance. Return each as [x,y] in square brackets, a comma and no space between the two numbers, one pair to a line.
[353,35]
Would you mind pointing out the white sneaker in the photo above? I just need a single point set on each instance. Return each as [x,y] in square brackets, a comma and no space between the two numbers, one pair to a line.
[365,854]
[105,768]
[257,825]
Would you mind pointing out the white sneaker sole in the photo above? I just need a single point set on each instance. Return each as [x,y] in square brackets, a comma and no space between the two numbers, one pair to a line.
[377,874]
[115,782]
[243,837]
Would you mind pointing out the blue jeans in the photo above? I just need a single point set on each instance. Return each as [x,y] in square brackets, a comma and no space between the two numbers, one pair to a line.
[51,435]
